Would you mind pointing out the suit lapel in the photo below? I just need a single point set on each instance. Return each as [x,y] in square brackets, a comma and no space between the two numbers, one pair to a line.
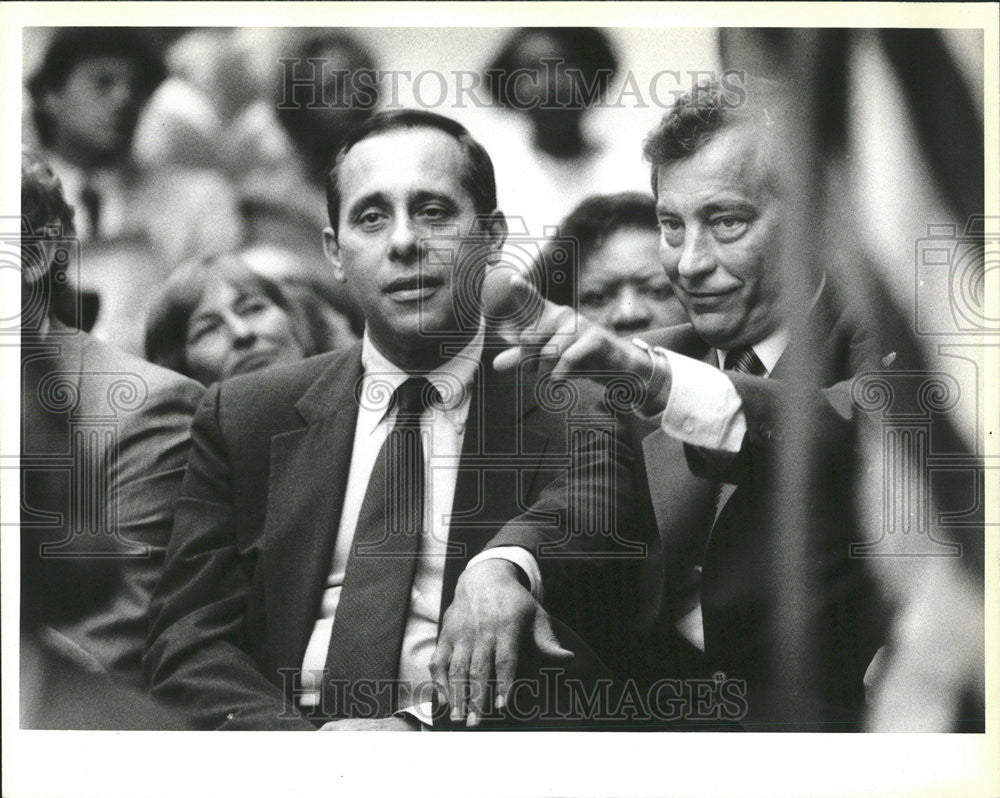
[308,477]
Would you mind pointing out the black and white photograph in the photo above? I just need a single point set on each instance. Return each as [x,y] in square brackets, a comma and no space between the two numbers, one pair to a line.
[609,386]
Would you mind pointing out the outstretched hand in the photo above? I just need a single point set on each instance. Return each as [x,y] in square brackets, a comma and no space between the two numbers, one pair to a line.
[555,337]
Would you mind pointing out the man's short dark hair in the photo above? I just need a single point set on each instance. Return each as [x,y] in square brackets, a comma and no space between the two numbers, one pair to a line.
[589,225]
[702,113]
[478,178]
[69,46]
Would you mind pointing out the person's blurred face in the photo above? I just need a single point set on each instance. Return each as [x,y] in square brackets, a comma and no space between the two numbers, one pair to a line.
[398,189]
[545,81]
[234,331]
[622,285]
[720,224]
[96,110]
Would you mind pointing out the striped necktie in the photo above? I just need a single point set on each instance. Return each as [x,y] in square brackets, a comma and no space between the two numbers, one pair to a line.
[742,361]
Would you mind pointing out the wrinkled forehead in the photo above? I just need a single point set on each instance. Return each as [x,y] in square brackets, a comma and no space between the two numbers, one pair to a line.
[740,161]
[403,155]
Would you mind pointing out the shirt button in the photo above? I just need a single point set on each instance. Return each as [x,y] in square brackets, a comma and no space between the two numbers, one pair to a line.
[688,426]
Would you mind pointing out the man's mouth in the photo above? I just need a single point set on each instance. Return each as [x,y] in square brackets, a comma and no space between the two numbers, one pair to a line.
[708,297]
[411,289]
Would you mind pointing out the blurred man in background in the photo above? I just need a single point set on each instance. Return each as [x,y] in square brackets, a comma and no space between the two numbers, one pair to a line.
[103,445]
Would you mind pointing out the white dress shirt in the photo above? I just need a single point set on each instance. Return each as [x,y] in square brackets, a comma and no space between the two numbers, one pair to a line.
[705,410]
[443,431]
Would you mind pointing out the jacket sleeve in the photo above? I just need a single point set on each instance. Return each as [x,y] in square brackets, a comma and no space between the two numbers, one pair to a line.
[198,657]
[580,525]
[142,471]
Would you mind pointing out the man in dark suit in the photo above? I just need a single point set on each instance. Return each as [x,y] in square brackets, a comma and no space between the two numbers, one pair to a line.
[707,439]
[330,506]
[104,441]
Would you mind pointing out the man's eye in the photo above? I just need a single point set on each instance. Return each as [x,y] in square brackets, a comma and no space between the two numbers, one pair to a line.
[370,220]
[729,228]
[673,231]
[433,213]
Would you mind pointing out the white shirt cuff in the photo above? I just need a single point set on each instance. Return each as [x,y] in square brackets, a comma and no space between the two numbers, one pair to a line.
[522,559]
[704,408]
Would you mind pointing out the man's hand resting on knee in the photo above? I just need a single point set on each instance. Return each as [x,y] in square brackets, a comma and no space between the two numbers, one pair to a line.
[492,620]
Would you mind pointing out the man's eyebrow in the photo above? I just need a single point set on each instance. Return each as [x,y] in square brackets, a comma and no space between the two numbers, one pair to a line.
[425,195]
[374,198]
[728,204]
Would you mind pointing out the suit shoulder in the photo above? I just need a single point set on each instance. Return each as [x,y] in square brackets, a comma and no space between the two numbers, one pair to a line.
[157,382]
[273,390]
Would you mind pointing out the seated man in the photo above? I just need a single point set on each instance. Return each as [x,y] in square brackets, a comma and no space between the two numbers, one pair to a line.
[707,444]
[330,505]
[104,440]
[617,280]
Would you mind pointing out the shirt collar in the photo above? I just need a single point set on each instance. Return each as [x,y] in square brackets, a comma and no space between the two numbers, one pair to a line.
[770,350]
[453,378]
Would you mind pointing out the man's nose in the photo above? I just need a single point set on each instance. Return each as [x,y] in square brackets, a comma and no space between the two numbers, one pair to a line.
[696,259]
[630,311]
[403,242]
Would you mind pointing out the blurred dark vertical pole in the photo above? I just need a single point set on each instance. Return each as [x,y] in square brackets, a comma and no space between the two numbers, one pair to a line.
[796,664]
[810,66]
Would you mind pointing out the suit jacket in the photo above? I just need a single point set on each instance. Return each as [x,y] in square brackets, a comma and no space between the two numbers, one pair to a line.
[666,493]
[104,441]
[259,512]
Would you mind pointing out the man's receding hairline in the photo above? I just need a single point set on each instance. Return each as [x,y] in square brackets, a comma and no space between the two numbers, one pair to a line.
[406,127]
[762,145]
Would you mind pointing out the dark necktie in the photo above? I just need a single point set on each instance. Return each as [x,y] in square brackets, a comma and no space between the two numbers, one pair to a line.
[91,201]
[371,615]
[743,361]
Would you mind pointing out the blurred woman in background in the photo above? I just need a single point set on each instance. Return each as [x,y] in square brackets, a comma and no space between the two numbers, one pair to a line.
[218,317]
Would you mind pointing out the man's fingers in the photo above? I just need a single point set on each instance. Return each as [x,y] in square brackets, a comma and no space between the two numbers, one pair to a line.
[546,641]
[458,682]
[439,670]
[480,673]
[508,359]
[505,665]
[509,299]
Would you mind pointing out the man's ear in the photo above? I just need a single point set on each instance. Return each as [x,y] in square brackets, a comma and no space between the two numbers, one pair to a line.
[495,226]
[332,251]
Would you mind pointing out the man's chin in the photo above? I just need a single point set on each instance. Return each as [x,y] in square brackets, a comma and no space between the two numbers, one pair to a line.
[715,331]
